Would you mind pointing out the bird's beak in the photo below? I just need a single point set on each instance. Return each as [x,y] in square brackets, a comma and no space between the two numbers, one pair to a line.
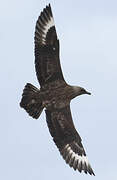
[88,93]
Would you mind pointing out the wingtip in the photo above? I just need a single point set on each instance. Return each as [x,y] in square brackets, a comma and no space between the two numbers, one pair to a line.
[43,25]
[88,172]
[48,6]
[50,9]
[77,162]
[93,173]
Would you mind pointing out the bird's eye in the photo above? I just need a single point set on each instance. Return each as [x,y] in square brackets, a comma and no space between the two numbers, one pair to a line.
[82,90]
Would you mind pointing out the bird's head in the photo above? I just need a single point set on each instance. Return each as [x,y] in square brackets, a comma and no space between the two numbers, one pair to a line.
[79,91]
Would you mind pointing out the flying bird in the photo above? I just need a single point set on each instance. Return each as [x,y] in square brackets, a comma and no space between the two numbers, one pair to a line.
[54,94]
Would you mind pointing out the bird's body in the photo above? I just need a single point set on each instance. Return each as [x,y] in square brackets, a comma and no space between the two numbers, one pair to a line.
[58,96]
[54,94]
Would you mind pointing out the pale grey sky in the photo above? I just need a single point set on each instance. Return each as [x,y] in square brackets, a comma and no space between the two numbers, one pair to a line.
[88,37]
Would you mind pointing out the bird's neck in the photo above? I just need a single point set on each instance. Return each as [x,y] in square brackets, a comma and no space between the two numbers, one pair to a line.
[73,91]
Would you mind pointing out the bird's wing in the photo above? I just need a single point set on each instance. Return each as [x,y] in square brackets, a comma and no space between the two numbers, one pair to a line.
[67,139]
[47,62]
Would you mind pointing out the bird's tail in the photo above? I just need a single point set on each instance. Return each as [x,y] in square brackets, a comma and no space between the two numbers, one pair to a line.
[31,101]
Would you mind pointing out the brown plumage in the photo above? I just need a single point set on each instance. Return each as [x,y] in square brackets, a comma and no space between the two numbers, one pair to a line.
[54,94]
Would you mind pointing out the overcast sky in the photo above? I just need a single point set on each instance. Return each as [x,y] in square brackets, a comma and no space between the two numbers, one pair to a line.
[87,30]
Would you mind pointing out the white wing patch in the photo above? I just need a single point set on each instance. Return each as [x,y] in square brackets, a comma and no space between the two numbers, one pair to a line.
[76,161]
[77,157]
[46,28]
